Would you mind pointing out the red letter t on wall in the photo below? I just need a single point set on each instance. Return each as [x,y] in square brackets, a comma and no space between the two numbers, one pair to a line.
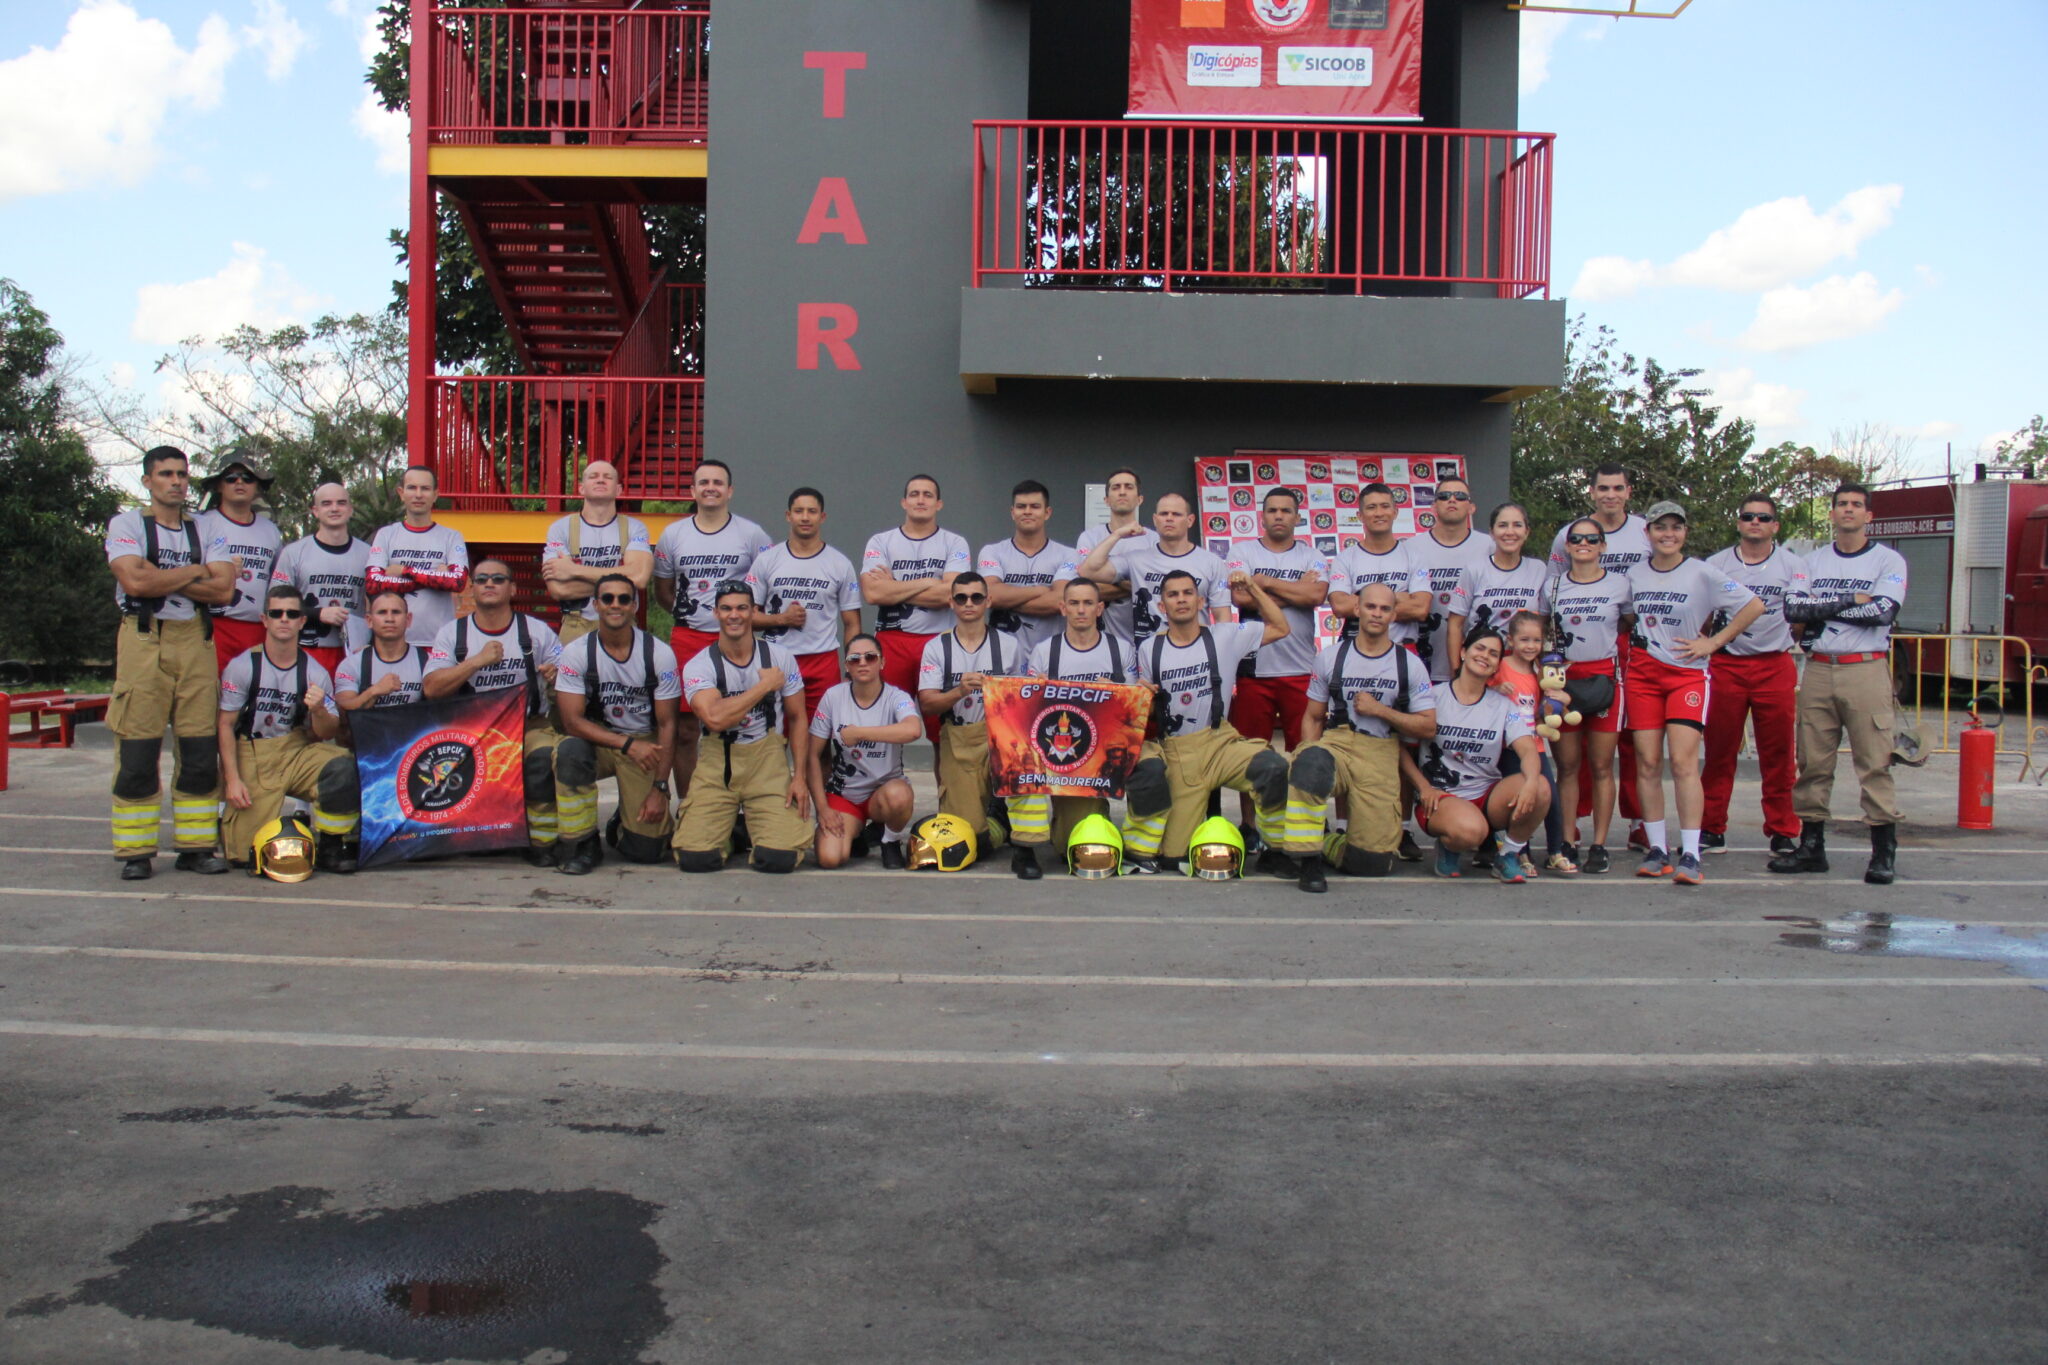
[835,65]
[826,327]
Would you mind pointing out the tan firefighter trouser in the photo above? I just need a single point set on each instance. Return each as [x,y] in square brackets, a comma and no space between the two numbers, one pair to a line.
[575,625]
[292,765]
[1196,765]
[165,677]
[963,772]
[537,774]
[1368,782]
[577,803]
[1856,700]
[759,786]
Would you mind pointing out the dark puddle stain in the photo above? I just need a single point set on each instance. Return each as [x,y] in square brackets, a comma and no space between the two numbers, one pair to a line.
[342,1102]
[636,1130]
[496,1275]
[1884,935]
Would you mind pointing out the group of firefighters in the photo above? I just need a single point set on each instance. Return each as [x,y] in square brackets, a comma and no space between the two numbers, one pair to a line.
[1481,690]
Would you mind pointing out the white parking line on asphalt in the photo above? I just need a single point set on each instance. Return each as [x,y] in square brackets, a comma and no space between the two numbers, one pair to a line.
[854,978]
[1334,1061]
[1162,919]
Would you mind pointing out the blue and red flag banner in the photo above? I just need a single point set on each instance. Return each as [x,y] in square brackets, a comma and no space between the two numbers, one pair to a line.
[442,777]
[1276,59]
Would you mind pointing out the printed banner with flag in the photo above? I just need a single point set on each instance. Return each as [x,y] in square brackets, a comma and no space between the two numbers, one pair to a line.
[1063,738]
[442,777]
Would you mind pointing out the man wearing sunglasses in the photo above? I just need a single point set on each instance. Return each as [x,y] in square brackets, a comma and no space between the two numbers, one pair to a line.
[329,568]
[1439,558]
[165,672]
[807,595]
[496,647]
[230,517]
[276,731]
[749,697]
[949,681]
[419,557]
[590,543]
[1755,681]
[618,687]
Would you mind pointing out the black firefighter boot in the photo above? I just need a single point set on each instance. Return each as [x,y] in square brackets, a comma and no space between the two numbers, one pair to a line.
[584,856]
[1312,879]
[1812,853]
[332,853]
[1884,853]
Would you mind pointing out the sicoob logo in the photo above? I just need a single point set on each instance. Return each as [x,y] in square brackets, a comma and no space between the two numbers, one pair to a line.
[440,777]
[1065,736]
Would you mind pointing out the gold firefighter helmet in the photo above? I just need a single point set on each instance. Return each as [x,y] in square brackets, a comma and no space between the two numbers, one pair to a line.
[284,850]
[944,841]
[1095,849]
[1216,851]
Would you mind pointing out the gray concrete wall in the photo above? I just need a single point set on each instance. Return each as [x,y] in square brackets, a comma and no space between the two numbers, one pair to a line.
[904,148]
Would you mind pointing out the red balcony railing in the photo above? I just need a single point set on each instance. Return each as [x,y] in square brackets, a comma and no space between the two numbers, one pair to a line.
[517,443]
[1187,206]
[595,77]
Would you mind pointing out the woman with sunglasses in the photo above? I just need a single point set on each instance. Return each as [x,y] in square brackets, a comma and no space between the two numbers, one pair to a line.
[1587,603]
[857,772]
[1506,581]
[1482,771]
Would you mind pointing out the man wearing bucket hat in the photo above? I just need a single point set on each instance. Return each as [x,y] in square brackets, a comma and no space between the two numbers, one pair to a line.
[228,502]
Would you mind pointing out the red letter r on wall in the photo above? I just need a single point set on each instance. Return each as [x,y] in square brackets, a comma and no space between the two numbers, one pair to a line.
[826,327]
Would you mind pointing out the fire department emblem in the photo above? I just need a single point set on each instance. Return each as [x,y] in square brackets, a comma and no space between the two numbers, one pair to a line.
[1212,473]
[1240,497]
[1318,471]
[440,776]
[1279,15]
[1268,472]
[1065,736]
[1692,699]
[1324,521]
[1347,496]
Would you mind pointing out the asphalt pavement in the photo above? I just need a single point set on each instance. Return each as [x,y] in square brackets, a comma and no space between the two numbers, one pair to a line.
[468,1111]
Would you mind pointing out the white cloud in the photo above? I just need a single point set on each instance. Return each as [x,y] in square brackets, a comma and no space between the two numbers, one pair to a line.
[121,375]
[1769,406]
[1767,246]
[389,131]
[251,289]
[1837,307]
[89,110]
[277,36]
[1540,33]
[1933,431]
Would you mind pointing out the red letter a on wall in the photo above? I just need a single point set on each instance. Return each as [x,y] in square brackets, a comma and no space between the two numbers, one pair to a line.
[826,327]
[832,210]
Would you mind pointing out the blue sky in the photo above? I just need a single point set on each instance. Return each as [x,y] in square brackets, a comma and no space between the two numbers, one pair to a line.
[1834,208]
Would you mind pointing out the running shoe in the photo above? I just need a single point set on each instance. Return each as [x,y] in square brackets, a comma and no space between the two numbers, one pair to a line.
[1656,863]
[1597,861]
[1482,856]
[1688,871]
[1711,842]
[1507,867]
[1409,851]
[1143,867]
[892,856]
[1783,845]
[1446,862]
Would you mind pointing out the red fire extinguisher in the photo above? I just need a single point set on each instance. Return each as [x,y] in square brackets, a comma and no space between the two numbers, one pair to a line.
[1978,744]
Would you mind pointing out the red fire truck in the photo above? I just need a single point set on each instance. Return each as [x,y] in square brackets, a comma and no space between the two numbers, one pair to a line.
[1977,564]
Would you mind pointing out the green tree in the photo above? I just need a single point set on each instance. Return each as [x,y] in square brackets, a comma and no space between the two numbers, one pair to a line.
[2027,447]
[470,333]
[53,505]
[1614,408]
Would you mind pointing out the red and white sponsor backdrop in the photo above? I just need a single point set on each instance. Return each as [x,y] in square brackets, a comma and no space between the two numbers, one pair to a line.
[1276,59]
[1229,491]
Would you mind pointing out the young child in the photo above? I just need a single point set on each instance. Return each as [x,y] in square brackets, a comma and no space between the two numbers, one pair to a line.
[1517,678]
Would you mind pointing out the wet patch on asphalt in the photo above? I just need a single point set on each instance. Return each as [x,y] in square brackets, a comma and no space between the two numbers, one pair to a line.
[495,1275]
[342,1102]
[1886,935]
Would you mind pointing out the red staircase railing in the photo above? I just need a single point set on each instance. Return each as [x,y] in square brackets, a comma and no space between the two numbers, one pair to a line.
[595,77]
[518,442]
[1260,206]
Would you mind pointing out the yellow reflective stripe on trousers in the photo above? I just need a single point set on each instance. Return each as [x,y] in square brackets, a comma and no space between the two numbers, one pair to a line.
[1144,833]
[134,828]
[1273,825]
[195,822]
[1302,826]
[574,816]
[329,822]
[1030,819]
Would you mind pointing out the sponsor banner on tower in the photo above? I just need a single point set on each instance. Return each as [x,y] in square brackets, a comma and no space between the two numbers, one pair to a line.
[1276,59]
[442,777]
[1063,738]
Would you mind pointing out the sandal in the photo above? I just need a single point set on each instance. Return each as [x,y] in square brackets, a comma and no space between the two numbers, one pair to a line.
[1561,863]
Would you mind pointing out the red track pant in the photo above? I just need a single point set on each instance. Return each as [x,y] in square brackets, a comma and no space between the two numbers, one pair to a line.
[1763,688]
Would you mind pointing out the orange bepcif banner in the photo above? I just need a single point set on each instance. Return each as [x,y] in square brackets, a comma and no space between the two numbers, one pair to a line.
[1063,738]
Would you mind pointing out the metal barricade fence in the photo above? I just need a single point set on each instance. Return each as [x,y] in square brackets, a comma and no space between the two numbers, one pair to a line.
[1938,677]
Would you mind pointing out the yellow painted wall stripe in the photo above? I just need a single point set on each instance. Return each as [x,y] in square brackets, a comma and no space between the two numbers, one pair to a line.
[650,163]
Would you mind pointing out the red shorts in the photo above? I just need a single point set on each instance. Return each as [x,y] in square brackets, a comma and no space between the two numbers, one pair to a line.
[232,638]
[328,657]
[1608,722]
[902,657]
[1480,801]
[688,644]
[820,670]
[857,809]
[1257,703]
[1660,695]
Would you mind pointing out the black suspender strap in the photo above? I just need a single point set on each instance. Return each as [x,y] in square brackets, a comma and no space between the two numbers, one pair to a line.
[593,685]
[1340,701]
[536,698]
[951,680]
[461,638]
[146,608]
[1159,643]
[245,723]
[769,708]
[1052,655]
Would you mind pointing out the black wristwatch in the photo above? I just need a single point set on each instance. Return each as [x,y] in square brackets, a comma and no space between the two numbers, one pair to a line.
[661,787]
